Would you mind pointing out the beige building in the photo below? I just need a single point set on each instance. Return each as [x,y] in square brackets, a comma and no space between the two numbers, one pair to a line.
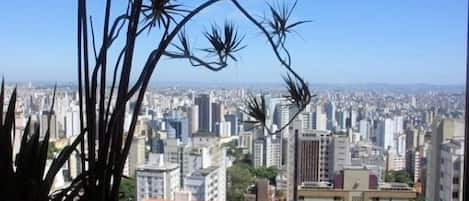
[442,130]
[355,184]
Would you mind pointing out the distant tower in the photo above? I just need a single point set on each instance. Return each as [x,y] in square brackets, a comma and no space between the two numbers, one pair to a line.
[204,102]
[233,119]
[193,119]
[330,114]
[217,114]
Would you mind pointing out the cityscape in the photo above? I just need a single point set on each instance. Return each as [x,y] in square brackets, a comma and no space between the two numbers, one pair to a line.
[234,100]
[376,142]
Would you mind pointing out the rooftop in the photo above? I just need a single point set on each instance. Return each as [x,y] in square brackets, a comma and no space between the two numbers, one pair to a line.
[157,167]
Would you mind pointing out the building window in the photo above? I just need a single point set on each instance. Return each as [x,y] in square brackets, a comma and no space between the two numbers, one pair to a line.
[455,195]
[455,180]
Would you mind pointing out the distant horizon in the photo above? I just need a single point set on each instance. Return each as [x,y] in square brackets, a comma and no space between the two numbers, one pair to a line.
[49,82]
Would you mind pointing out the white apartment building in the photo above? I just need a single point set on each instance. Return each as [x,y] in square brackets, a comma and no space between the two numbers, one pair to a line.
[157,181]
[206,185]
[273,152]
[258,153]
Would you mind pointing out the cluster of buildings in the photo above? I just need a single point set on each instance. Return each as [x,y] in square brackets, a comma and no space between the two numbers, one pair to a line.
[341,147]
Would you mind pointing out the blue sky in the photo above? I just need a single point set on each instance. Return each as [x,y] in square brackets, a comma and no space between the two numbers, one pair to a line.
[362,41]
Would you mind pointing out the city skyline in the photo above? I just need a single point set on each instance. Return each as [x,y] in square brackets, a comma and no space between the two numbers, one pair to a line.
[365,42]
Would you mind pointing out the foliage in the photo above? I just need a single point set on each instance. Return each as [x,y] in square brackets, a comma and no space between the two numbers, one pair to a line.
[127,190]
[233,150]
[400,176]
[239,179]
[242,175]
[265,172]
[51,150]
[24,177]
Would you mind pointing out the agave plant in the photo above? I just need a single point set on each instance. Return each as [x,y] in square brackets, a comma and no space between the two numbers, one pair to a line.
[26,178]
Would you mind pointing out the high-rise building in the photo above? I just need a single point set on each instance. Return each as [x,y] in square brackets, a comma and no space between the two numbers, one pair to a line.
[342,117]
[330,115]
[308,120]
[53,133]
[401,144]
[180,127]
[258,153]
[452,166]
[245,141]
[208,183]
[414,160]
[205,184]
[313,156]
[319,120]
[364,128]
[340,154]
[173,149]
[136,155]
[385,134]
[443,130]
[157,180]
[193,116]
[218,114]
[233,119]
[223,129]
[204,102]
[281,114]
[273,151]
[72,121]
[395,161]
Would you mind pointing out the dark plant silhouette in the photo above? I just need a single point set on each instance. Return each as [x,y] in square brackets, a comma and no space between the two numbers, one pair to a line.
[24,177]
[104,144]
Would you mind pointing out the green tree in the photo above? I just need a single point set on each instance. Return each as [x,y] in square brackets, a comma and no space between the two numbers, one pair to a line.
[400,176]
[266,172]
[127,190]
[239,179]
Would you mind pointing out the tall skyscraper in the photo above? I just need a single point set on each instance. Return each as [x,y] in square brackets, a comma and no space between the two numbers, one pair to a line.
[136,155]
[223,129]
[53,133]
[258,153]
[218,114]
[72,121]
[281,114]
[273,151]
[204,102]
[180,127]
[319,120]
[193,115]
[452,162]
[364,128]
[313,156]
[330,114]
[385,134]
[233,119]
[443,130]
[340,154]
